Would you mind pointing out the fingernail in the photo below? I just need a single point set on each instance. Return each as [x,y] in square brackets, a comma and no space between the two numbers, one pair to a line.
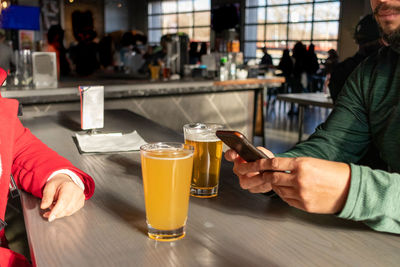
[51,218]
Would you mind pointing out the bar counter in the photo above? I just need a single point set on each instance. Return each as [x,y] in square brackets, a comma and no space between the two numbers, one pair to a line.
[236,228]
[123,88]
[171,103]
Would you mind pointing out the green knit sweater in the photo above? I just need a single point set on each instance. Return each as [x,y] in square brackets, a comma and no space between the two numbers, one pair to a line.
[367,114]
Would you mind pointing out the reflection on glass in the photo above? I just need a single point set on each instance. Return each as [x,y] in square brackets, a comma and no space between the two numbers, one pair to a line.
[300,31]
[278,44]
[260,32]
[154,8]
[255,2]
[276,55]
[250,32]
[326,30]
[169,30]
[322,48]
[276,32]
[185,5]
[277,2]
[300,13]
[170,21]
[185,20]
[169,6]
[202,34]
[188,31]
[154,21]
[277,14]
[251,15]
[327,11]
[202,5]
[202,18]
[261,15]
[292,43]
[154,36]
[250,49]
[259,52]
[300,1]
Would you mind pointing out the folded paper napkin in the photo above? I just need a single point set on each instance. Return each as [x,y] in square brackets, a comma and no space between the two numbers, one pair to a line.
[112,142]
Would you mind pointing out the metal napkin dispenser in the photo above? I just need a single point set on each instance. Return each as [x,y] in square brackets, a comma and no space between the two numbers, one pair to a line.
[92,107]
[44,69]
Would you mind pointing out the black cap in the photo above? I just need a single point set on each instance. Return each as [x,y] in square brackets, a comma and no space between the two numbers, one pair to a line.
[367,30]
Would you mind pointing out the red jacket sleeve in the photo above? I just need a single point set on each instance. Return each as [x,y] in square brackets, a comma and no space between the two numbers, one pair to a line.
[10,258]
[34,162]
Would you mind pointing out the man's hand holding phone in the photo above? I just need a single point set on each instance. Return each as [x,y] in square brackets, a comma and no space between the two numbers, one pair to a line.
[310,184]
[253,180]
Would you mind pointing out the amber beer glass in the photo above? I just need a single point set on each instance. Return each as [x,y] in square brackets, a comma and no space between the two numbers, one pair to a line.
[166,170]
[207,158]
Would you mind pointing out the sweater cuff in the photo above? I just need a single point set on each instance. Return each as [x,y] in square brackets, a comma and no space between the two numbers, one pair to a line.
[74,177]
[354,191]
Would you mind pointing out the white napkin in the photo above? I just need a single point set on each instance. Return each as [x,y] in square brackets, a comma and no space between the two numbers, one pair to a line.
[112,142]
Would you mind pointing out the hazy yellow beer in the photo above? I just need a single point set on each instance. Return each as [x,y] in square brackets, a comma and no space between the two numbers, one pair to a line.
[207,158]
[166,169]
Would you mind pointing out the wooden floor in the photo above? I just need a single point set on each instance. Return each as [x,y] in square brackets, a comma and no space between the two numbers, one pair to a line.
[281,129]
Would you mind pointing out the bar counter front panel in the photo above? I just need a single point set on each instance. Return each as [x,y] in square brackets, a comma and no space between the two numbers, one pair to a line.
[172,104]
[236,228]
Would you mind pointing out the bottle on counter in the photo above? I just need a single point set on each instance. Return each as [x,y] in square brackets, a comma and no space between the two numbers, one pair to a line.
[223,69]
[231,67]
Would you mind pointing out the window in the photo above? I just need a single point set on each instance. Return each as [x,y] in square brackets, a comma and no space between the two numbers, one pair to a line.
[192,17]
[279,24]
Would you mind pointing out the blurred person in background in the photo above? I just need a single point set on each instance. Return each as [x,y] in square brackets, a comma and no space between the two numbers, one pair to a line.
[106,52]
[203,49]
[329,66]
[286,66]
[299,72]
[55,41]
[266,60]
[194,56]
[85,53]
[331,61]
[311,66]
[299,69]
[7,59]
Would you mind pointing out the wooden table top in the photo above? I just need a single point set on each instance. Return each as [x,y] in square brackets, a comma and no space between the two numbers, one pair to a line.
[235,229]
[267,80]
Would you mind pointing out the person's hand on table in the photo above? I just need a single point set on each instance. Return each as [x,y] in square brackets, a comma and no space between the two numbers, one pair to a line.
[310,184]
[62,196]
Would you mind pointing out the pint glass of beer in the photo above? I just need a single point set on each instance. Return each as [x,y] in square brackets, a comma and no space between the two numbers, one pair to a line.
[166,170]
[207,158]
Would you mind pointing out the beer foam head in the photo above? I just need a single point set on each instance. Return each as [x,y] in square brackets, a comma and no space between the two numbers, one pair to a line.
[202,132]
[167,150]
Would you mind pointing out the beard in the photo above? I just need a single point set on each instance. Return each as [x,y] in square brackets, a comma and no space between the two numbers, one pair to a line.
[393,37]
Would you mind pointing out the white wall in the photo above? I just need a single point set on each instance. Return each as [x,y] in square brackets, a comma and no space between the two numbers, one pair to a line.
[116,17]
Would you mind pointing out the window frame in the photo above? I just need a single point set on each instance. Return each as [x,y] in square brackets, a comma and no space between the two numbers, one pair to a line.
[177,13]
[288,22]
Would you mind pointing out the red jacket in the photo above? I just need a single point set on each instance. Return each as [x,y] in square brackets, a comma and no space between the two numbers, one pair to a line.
[31,162]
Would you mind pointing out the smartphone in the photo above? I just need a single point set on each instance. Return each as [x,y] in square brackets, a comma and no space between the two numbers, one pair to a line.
[238,142]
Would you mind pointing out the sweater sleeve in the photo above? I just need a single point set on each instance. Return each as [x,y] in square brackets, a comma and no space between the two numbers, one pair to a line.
[345,137]
[373,198]
[34,162]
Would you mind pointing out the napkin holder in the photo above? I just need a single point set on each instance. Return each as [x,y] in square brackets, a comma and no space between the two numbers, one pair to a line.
[92,107]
